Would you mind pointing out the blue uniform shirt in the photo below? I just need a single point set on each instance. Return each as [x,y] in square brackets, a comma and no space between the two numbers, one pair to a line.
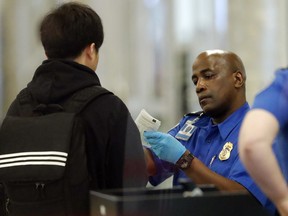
[274,99]
[209,144]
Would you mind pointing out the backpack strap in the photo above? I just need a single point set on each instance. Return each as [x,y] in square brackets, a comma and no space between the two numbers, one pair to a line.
[80,99]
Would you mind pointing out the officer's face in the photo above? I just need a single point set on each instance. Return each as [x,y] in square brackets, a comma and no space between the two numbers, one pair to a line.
[214,83]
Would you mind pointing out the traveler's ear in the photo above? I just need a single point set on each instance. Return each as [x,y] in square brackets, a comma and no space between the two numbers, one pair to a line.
[238,79]
[91,51]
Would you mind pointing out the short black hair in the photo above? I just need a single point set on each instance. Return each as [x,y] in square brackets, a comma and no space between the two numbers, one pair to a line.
[68,29]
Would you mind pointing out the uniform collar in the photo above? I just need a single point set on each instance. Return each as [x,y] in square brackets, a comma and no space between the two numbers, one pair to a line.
[226,126]
[232,121]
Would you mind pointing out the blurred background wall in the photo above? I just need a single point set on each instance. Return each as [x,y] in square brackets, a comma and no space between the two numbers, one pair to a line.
[150,45]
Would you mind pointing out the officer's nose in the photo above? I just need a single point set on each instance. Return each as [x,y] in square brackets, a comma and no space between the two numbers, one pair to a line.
[200,85]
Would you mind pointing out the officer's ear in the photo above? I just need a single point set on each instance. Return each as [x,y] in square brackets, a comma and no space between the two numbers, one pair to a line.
[238,79]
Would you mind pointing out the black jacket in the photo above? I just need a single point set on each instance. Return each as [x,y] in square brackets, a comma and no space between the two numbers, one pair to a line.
[115,153]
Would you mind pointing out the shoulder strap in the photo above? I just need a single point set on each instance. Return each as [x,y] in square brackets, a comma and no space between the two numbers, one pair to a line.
[75,103]
[196,114]
[80,99]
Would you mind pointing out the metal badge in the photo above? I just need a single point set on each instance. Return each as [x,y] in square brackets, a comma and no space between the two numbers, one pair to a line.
[226,151]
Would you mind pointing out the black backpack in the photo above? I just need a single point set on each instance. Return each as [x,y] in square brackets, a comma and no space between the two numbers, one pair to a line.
[43,162]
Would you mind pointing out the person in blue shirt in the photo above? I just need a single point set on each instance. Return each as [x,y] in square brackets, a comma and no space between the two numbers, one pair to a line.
[203,147]
[265,122]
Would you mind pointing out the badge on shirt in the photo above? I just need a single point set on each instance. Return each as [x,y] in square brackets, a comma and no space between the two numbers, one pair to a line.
[186,131]
[226,151]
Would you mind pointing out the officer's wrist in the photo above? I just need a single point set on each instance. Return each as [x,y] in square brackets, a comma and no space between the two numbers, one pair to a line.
[185,160]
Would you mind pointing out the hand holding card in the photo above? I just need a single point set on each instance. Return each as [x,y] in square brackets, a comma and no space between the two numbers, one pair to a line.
[146,122]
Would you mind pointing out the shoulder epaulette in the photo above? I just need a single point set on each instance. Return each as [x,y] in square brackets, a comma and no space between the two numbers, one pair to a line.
[197,113]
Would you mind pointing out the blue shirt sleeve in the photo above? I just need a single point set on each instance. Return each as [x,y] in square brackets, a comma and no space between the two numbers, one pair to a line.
[274,98]
[164,171]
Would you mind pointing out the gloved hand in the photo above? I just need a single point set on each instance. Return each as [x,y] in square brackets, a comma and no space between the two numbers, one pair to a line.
[165,146]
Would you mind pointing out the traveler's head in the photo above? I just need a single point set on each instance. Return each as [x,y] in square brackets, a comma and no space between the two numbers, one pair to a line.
[219,77]
[68,29]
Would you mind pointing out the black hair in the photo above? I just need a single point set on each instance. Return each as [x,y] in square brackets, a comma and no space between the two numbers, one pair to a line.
[68,29]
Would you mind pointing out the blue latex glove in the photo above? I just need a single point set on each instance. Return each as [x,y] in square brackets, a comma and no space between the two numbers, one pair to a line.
[165,146]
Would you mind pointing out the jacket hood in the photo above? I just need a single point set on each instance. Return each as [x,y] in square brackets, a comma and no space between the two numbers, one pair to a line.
[55,80]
